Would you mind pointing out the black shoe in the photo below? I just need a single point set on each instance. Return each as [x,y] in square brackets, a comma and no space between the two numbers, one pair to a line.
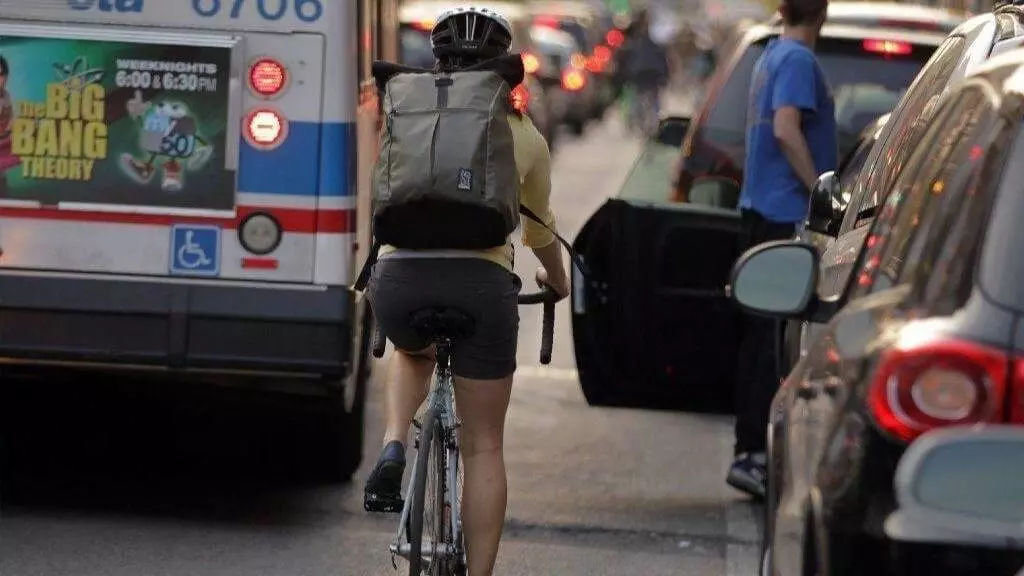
[749,474]
[383,490]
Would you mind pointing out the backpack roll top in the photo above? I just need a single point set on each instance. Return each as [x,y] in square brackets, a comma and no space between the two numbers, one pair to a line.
[446,174]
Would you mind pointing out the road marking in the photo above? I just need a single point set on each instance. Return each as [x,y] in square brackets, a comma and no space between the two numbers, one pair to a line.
[547,372]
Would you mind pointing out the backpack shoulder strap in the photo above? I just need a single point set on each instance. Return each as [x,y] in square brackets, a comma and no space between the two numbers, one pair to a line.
[577,260]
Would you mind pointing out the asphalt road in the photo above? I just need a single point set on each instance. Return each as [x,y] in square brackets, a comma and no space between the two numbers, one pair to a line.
[137,481]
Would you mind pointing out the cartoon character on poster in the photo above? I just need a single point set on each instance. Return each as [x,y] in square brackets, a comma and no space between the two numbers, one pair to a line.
[168,130]
[7,159]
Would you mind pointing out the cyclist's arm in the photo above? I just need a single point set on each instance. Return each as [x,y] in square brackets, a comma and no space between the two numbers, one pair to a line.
[535,195]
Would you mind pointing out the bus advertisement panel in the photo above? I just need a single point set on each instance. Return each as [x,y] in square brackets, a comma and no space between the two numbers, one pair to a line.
[106,122]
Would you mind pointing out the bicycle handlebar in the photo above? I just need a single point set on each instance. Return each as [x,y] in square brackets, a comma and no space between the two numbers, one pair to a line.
[545,296]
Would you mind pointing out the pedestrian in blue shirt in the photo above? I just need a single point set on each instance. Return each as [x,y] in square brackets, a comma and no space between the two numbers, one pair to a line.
[791,139]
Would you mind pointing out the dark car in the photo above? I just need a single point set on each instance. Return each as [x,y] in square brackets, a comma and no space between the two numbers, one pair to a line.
[839,231]
[659,268]
[928,332]
[868,67]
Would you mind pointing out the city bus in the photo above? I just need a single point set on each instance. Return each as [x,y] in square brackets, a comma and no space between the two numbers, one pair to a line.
[184,195]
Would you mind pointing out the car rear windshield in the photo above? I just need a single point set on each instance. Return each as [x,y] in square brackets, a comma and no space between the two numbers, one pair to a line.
[865,84]
[1002,267]
[415,50]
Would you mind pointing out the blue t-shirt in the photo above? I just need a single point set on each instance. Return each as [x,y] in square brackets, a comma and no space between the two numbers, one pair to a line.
[786,74]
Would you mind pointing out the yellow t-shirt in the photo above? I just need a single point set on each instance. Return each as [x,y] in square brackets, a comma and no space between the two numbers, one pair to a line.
[533,164]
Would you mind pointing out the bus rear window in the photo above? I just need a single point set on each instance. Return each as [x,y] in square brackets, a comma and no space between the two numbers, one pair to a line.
[867,79]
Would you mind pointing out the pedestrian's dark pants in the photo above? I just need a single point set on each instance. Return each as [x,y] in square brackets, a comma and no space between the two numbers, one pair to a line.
[757,374]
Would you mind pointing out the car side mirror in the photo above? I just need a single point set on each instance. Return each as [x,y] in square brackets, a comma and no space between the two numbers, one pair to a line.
[775,279]
[672,130]
[961,486]
[827,204]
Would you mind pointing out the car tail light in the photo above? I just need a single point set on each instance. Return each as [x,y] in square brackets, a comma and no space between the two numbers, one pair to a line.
[923,386]
[615,37]
[530,63]
[578,61]
[265,128]
[424,25]
[547,21]
[520,98]
[573,80]
[888,47]
[1017,412]
[267,77]
[910,24]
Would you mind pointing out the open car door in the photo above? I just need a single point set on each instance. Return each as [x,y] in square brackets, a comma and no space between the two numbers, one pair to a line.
[652,325]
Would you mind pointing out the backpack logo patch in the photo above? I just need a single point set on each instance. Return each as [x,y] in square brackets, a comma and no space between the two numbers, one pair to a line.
[465,179]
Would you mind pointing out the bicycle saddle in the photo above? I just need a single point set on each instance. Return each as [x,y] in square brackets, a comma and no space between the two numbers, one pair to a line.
[439,322]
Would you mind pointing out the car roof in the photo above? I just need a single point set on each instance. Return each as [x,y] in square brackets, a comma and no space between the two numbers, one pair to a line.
[888,15]
[550,35]
[853,32]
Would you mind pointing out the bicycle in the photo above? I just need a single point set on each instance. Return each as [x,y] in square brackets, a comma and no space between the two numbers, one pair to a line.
[437,446]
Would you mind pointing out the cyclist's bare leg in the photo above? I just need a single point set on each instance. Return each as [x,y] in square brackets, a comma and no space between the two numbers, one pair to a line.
[405,388]
[482,405]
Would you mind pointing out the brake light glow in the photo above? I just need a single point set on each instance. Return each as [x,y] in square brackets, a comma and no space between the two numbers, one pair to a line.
[267,77]
[1017,412]
[530,63]
[615,37]
[265,128]
[520,98]
[921,386]
[891,47]
[573,80]
[578,61]
[547,21]
[424,25]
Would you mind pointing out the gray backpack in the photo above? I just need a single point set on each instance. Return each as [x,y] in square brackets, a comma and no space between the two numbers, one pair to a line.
[446,173]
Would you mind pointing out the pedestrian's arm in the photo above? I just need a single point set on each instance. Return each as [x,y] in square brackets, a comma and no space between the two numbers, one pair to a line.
[786,126]
[795,94]
[536,195]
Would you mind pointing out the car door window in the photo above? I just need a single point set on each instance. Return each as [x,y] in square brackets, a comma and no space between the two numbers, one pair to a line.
[907,123]
[918,207]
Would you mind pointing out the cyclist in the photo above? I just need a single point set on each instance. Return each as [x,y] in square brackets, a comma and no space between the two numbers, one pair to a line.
[645,70]
[482,284]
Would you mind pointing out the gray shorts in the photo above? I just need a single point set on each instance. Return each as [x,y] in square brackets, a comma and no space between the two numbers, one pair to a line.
[481,289]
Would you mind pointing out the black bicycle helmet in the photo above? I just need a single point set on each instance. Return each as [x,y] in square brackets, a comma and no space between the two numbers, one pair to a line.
[471,31]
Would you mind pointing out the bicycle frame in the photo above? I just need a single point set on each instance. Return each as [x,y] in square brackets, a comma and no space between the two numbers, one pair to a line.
[442,399]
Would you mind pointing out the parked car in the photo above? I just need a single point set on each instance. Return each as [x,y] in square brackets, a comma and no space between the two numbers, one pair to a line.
[417,19]
[869,66]
[660,267]
[926,333]
[577,91]
[839,231]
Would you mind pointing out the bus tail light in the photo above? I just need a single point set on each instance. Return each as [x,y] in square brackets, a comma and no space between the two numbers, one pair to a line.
[267,77]
[260,233]
[265,128]
[520,98]
[940,383]
[573,80]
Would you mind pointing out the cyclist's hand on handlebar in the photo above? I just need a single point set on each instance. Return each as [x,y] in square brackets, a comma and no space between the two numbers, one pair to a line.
[560,285]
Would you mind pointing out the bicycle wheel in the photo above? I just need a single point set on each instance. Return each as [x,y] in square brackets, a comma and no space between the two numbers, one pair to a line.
[430,521]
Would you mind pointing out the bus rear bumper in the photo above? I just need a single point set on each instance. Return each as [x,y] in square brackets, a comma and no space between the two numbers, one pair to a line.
[178,326]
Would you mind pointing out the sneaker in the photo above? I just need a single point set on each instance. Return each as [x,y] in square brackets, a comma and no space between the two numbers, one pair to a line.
[749,474]
[383,490]
[172,176]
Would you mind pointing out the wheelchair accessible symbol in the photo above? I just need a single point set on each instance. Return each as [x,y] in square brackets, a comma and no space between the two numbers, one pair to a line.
[195,250]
